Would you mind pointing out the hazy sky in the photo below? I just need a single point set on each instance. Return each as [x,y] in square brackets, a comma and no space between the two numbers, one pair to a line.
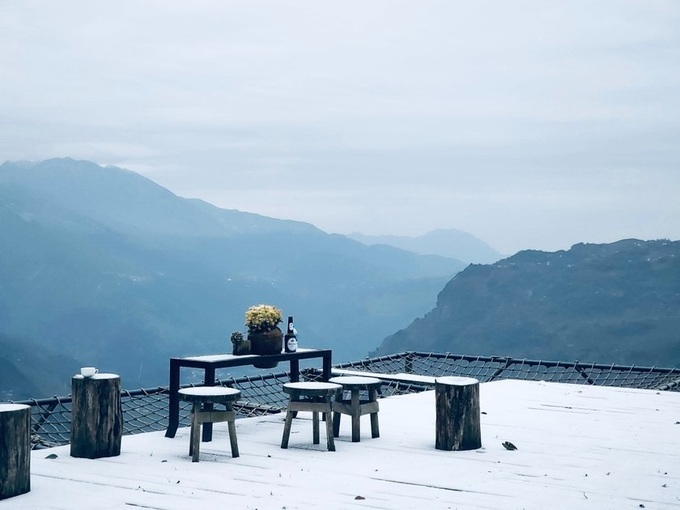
[530,124]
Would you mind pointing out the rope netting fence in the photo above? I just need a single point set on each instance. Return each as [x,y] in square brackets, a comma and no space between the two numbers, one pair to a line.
[146,410]
[493,368]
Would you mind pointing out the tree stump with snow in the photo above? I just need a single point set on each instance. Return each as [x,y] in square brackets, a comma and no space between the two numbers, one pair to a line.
[15,450]
[96,416]
[458,414]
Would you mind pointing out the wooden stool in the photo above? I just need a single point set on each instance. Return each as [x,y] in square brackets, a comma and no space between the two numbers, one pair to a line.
[355,407]
[15,450]
[316,397]
[206,396]
[96,416]
[457,424]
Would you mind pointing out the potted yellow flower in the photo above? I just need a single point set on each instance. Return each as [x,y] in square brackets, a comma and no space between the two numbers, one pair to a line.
[263,332]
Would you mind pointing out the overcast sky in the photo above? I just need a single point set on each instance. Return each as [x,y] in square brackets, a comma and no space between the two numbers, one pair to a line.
[529,124]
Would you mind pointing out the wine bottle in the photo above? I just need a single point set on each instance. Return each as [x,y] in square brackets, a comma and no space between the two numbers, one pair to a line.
[290,339]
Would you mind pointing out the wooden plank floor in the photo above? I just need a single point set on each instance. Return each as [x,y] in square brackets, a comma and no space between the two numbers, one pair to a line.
[577,447]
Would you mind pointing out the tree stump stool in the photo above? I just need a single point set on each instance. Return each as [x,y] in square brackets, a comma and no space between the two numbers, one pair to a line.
[458,414]
[354,406]
[96,416]
[15,450]
[203,399]
[314,397]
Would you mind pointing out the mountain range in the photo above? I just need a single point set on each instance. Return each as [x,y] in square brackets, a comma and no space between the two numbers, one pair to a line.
[608,303]
[445,242]
[101,266]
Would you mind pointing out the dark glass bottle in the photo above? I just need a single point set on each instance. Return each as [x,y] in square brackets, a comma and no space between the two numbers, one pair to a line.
[290,339]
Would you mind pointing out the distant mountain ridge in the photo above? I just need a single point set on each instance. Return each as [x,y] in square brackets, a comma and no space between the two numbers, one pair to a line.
[445,242]
[608,303]
[105,267]
[99,265]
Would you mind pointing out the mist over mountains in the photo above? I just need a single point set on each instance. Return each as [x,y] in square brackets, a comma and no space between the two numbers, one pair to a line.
[445,242]
[102,266]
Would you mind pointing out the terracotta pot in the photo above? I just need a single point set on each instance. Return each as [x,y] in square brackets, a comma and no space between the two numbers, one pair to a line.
[264,343]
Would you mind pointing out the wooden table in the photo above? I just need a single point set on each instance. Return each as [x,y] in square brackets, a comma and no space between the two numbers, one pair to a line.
[213,362]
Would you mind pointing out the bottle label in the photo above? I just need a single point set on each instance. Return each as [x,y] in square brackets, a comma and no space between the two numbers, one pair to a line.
[292,344]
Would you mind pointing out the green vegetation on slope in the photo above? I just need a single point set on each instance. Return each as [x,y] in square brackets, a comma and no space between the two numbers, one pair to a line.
[608,303]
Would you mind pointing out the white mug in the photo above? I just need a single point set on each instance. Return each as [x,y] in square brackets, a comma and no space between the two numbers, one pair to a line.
[88,371]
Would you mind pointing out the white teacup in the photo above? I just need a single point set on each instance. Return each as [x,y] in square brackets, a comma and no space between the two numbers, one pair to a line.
[88,371]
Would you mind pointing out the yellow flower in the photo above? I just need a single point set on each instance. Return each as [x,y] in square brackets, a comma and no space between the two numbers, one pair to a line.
[261,318]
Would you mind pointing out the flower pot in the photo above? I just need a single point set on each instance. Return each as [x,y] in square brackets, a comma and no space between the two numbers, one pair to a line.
[264,343]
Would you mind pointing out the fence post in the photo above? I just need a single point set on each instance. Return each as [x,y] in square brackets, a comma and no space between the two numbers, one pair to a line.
[408,363]
[458,414]
[15,450]
[96,416]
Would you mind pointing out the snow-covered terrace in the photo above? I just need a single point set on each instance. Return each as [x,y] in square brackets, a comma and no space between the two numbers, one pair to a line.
[578,446]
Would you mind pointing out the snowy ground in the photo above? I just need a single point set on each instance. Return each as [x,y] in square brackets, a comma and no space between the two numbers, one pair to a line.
[577,447]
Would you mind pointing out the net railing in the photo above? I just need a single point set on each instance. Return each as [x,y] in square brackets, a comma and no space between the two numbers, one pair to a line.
[493,368]
[146,410]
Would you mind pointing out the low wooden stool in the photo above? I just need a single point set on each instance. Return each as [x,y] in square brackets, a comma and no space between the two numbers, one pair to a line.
[458,420]
[203,398]
[96,416]
[15,450]
[355,407]
[316,397]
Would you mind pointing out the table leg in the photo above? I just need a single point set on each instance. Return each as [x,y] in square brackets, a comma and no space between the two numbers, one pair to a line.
[208,380]
[173,400]
[327,364]
[294,370]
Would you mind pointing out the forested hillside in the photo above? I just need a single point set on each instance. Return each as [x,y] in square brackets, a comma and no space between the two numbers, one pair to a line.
[607,303]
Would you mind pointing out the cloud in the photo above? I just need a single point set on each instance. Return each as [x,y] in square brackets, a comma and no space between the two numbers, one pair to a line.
[386,116]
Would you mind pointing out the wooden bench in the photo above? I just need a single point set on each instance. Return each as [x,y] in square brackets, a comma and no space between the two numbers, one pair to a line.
[202,399]
[354,406]
[314,397]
